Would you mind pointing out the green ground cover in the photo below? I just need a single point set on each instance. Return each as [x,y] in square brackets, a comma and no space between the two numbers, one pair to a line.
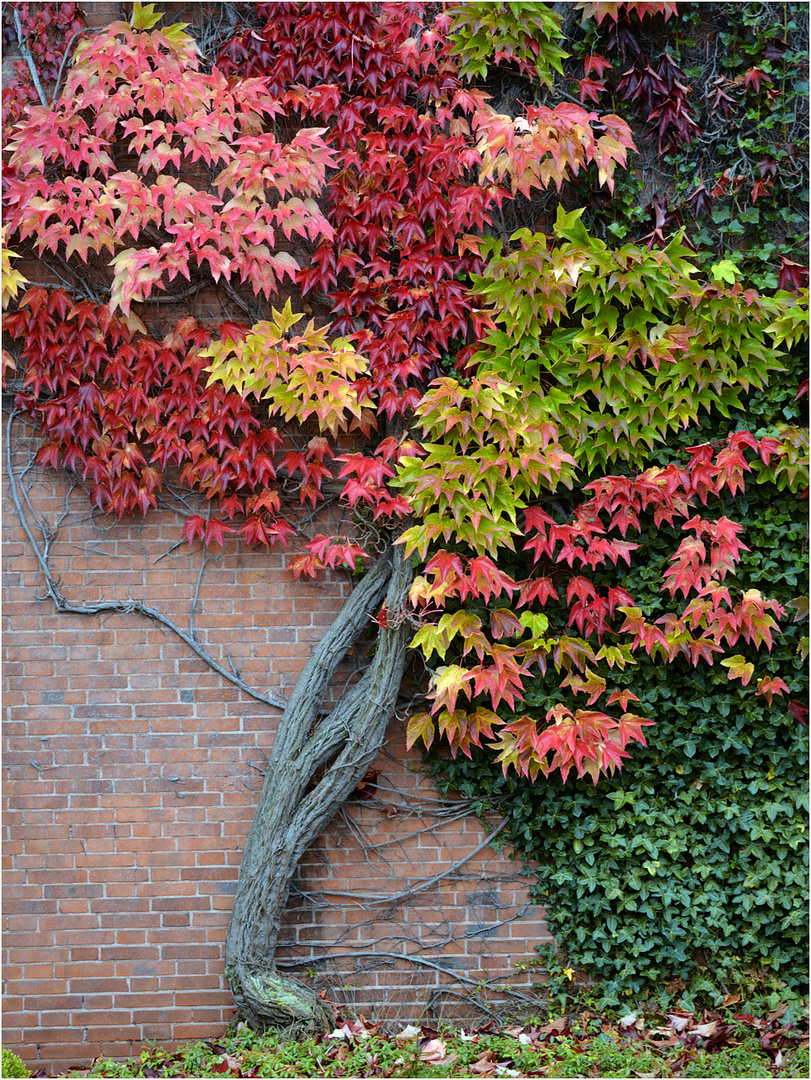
[765,1037]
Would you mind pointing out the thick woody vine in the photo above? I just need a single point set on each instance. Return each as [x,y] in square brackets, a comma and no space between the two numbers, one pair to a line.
[373,794]
[490,406]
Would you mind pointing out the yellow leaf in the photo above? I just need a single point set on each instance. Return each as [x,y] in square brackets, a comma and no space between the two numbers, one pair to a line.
[144,16]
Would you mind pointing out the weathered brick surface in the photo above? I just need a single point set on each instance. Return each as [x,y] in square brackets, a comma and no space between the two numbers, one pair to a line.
[131,772]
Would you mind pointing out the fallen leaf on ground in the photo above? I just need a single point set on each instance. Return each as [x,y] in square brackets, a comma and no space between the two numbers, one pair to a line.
[485,1065]
[705,1030]
[434,1051]
[678,1023]
[407,1034]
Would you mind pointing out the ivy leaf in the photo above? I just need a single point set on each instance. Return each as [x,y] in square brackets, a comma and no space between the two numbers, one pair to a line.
[446,684]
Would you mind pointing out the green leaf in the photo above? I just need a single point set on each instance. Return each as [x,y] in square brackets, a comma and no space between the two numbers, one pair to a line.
[725,270]
[144,16]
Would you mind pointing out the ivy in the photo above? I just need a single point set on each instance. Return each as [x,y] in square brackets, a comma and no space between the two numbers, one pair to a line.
[615,441]
[693,860]
[723,89]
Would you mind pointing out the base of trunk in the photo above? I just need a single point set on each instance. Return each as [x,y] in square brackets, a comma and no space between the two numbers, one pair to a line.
[266,999]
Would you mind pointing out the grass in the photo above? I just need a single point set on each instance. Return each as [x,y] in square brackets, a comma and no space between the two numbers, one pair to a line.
[727,1043]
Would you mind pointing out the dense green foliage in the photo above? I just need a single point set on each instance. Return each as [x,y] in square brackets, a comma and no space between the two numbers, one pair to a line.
[733,171]
[758,210]
[695,855]
[692,860]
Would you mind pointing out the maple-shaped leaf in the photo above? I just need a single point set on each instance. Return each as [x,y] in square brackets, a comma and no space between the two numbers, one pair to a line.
[629,725]
[793,275]
[596,63]
[306,565]
[446,684]
[754,77]
[144,16]
[592,684]
[739,668]
[12,280]
[421,726]
[540,589]
[433,638]
[619,655]
[590,89]
[485,579]
[770,686]
[215,532]
[622,696]
[504,623]
[194,526]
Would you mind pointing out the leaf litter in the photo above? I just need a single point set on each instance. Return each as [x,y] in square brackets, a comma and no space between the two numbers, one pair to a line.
[360,1048]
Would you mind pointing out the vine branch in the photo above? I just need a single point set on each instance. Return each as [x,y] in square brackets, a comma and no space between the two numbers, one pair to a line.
[121,607]
[22,41]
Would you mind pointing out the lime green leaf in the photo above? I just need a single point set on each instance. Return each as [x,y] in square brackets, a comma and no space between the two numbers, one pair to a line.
[739,668]
[144,16]
[725,270]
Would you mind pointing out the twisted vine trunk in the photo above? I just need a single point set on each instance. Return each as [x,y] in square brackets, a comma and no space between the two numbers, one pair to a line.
[289,817]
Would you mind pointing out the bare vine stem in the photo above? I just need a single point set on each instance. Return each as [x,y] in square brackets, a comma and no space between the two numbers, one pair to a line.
[121,607]
[196,597]
[22,41]
[423,885]
[519,995]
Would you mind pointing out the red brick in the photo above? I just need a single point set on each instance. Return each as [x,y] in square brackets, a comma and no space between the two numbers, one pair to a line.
[67,1054]
[127,1000]
[44,1035]
[130,937]
[77,922]
[140,868]
[115,1049]
[160,1033]
[192,1031]
[50,1019]
[30,957]
[175,919]
[96,1019]
[126,1031]
[90,986]
[87,953]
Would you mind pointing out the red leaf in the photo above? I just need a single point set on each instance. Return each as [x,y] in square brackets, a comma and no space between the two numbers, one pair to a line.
[798,711]
[215,531]
[503,623]
[193,527]
[754,77]
[540,589]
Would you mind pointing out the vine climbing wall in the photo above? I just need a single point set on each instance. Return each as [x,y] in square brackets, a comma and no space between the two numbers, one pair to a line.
[131,770]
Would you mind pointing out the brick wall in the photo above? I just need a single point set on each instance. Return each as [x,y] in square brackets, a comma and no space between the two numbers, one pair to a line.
[131,772]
